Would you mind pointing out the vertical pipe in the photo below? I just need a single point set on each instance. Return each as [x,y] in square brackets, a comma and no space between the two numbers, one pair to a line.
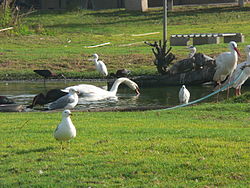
[164,20]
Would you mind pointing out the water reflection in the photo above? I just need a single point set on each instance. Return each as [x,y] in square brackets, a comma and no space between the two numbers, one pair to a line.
[23,93]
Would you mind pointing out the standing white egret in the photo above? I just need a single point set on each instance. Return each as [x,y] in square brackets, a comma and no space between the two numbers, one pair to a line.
[67,101]
[100,66]
[245,67]
[192,51]
[66,129]
[184,95]
[225,64]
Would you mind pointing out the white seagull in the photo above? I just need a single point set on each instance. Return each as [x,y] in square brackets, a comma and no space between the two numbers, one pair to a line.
[184,95]
[68,101]
[100,66]
[245,67]
[93,93]
[65,130]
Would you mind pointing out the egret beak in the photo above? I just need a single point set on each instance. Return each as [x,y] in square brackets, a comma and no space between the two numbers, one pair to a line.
[63,76]
[71,114]
[236,49]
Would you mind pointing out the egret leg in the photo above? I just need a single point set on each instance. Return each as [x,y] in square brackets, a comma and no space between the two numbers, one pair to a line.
[236,92]
[228,92]
[229,87]
[217,100]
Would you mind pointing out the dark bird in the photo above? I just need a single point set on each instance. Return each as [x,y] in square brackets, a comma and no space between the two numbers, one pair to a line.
[51,96]
[47,74]
[121,73]
[6,100]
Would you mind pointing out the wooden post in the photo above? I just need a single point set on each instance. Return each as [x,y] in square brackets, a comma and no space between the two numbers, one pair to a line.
[164,20]
[241,3]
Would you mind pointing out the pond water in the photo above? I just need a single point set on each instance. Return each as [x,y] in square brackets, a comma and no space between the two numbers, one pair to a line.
[23,93]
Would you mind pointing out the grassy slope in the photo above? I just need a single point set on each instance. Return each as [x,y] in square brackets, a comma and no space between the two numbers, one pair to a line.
[49,49]
[206,145]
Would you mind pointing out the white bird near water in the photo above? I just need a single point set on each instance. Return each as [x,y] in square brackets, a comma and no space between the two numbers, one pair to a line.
[100,66]
[242,67]
[226,63]
[66,129]
[94,93]
[68,101]
[192,51]
[184,95]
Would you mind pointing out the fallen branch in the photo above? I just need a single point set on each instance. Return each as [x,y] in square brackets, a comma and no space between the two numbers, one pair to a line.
[98,45]
[144,34]
[5,29]
[135,43]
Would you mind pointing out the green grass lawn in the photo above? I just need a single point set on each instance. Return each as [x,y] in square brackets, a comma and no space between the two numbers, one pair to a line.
[43,42]
[206,145]
[199,146]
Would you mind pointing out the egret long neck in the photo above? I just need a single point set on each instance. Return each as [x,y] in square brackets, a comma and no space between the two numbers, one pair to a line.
[96,61]
[235,55]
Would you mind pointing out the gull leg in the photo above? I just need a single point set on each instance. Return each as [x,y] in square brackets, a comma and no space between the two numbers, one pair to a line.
[69,144]
[62,145]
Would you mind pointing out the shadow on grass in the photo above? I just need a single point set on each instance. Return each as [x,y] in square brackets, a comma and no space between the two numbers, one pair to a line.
[140,17]
[203,9]
[34,150]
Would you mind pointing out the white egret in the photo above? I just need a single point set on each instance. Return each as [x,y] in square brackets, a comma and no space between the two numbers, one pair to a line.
[245,67]
[192,51]
[100,66]
[225,64]
[184,95]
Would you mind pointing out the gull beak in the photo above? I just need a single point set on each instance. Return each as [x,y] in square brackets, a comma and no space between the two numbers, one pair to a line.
[236,49]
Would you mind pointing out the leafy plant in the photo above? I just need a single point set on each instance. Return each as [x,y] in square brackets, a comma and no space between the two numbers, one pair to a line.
[10,15]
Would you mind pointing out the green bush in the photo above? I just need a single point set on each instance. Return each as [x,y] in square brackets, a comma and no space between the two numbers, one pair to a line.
[5,16]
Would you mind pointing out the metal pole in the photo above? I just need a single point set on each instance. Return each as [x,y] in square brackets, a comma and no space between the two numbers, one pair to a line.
[165,20]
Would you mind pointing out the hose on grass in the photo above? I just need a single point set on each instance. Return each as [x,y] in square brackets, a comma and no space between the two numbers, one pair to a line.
[205,97]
